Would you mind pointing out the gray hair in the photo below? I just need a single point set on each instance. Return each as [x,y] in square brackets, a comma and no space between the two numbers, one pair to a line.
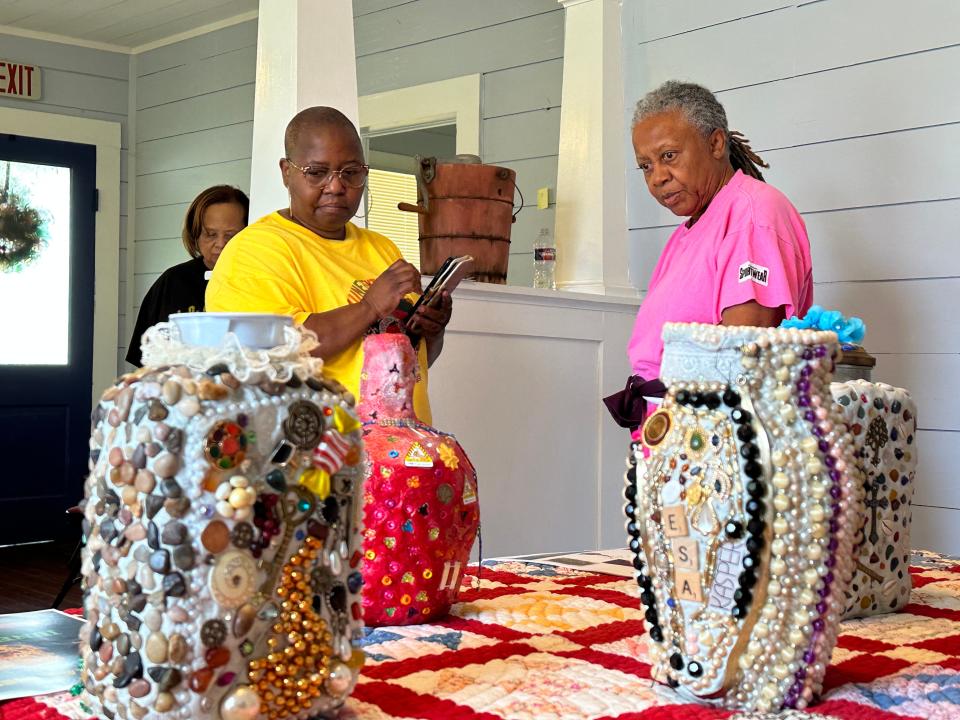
[702,110]
[700,107]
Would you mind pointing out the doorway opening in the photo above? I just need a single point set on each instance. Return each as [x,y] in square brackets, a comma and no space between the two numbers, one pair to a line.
[47,280]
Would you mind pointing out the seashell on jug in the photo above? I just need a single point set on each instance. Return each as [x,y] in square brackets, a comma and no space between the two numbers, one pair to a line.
[222,566]
[743,512]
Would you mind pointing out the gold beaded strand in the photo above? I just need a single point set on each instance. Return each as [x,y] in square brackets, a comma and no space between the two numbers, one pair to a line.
[291,676]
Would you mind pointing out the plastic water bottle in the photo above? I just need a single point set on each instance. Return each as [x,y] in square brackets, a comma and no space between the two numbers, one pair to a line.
[544,259]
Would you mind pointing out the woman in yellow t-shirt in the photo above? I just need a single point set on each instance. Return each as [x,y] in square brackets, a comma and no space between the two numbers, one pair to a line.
[310,262]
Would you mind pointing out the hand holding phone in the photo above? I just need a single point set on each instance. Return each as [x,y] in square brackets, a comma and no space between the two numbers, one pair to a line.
[431,319]
[447,278]
[431,313]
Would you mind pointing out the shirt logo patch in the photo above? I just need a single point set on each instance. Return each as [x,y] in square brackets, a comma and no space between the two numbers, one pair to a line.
[358,289]
[754,273]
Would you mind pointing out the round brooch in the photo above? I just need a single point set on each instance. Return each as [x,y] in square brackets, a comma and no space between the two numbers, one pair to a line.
[304,425]
[226,445]
[656,427]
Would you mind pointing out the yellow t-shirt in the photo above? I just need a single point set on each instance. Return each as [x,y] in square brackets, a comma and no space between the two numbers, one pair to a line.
[277,266]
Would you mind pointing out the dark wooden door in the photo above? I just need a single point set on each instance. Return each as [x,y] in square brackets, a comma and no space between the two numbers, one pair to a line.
[47,213]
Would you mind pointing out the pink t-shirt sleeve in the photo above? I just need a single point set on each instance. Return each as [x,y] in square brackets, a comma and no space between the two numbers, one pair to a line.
[754,263]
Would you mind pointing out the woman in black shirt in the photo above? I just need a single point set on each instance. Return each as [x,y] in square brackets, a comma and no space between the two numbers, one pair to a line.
[214,216]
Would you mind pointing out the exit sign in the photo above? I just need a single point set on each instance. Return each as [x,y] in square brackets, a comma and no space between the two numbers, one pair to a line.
[19,80]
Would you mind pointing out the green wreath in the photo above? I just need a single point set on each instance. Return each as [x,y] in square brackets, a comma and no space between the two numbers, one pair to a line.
[21,230]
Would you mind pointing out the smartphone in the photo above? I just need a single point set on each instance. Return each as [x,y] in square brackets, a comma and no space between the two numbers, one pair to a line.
[451,272]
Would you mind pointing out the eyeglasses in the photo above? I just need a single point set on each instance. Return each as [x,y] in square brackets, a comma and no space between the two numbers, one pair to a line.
[353,176]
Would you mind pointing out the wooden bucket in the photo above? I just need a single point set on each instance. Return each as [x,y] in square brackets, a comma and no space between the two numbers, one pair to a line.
[465,208]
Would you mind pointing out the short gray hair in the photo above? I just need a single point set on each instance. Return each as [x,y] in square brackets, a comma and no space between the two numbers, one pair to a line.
[700,107]
[702,110]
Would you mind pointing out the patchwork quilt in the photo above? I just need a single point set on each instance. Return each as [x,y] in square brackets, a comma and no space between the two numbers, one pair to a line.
[538,642]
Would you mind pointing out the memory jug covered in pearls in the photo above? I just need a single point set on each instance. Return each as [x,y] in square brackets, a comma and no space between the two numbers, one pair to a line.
[222,560]
[421,510]
[742,504]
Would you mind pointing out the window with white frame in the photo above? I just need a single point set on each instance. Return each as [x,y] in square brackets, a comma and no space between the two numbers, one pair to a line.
[386,189]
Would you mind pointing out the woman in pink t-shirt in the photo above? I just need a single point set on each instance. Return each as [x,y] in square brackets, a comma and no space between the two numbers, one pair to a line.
[741,257]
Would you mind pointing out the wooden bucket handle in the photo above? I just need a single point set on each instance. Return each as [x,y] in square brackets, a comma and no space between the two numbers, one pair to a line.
[517,211]
[410,207]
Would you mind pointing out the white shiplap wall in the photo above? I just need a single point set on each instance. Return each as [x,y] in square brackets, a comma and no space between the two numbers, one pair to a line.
[86,83]
[194,106]
[855,106]
[517,47]
[194,129]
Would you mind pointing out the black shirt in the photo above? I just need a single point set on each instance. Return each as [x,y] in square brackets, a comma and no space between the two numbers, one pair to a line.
[179,289]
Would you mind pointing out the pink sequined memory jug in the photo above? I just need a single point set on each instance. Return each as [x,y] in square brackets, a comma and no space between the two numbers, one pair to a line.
[421,511]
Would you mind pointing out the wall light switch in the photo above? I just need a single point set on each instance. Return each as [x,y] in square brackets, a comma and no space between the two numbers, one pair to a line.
[543,198]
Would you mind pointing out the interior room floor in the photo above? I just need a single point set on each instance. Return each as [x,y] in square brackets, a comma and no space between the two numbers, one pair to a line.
[32,575]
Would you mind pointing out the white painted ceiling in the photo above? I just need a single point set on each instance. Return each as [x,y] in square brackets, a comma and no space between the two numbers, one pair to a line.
[122,23]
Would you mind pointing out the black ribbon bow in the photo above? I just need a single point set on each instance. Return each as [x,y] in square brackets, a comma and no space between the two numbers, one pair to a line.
[629,406]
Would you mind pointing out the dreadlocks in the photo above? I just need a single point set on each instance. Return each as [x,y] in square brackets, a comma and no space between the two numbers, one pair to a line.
[705,112]
[742,156]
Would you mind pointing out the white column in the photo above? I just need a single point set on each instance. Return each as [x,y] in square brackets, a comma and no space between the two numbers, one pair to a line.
[591,215]
[305,57]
